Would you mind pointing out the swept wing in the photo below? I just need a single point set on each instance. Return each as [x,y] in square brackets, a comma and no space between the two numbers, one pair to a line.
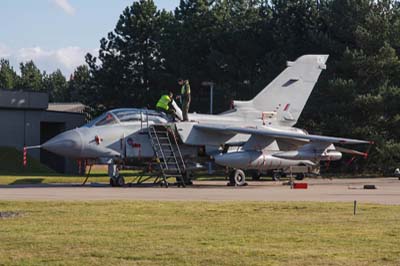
[279,134]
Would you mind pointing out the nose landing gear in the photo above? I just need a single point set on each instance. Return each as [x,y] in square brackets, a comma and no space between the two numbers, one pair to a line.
[116,180]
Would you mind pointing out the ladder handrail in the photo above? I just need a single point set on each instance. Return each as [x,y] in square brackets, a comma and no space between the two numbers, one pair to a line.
[173,153]
[159,146]
[179,151]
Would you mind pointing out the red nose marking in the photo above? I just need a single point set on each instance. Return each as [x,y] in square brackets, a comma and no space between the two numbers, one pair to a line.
[98,139]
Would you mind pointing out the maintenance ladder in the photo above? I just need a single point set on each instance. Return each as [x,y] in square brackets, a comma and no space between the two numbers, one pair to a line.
[167,153]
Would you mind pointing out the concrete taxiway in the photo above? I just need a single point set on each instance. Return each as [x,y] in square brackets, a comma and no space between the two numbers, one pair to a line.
[321,190]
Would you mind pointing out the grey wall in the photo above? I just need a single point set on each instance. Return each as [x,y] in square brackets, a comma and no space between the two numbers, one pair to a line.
[23,99]
[12,128]
[13,133]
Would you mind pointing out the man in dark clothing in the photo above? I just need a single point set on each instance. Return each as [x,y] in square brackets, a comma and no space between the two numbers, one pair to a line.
[185,97]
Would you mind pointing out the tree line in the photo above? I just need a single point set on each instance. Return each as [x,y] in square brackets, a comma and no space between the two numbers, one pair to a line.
[55,84]
[241,45]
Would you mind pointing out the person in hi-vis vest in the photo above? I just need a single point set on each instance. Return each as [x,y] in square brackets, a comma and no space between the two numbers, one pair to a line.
[164,104]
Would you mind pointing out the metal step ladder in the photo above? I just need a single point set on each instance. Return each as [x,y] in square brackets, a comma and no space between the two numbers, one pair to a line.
[168,153]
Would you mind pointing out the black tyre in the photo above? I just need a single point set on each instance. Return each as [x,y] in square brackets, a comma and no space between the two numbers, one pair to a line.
[239,178]
[231,177]
[299,176]
[120,181]
[276,176]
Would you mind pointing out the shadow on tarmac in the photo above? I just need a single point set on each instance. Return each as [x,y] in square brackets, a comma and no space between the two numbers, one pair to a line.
[41,185]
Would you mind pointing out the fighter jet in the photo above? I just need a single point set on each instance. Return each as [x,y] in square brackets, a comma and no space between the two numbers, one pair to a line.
[258,134]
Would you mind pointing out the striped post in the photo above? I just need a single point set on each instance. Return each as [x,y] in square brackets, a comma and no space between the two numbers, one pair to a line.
[24,160]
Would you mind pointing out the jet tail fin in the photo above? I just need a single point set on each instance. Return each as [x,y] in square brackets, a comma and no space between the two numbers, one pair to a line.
[288,93]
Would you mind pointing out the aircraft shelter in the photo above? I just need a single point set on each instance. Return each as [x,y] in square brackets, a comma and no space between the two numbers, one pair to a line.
[28,119]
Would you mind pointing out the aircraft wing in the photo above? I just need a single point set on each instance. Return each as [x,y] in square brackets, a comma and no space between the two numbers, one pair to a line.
[278,134]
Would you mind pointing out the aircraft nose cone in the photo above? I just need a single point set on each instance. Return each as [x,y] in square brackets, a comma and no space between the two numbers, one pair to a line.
[67,144]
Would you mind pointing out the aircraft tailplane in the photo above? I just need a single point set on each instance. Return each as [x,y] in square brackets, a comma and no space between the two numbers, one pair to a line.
[286,96]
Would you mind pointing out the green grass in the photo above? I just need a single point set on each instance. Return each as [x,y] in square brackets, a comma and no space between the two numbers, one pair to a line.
[41,179]
[190,233]
[11,163]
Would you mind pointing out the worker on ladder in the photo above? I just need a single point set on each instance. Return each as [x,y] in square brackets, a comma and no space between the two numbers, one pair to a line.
[164,104]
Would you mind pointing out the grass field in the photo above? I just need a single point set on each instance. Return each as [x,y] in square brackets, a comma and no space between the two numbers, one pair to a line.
[190,233]
[49,179]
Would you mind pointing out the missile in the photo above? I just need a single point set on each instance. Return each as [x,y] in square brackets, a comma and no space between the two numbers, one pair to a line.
[256,160]
[309,155]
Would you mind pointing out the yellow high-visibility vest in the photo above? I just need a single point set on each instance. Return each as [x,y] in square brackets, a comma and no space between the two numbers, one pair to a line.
[163,103]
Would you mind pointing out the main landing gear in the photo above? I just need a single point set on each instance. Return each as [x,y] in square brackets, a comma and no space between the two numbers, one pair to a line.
[237,178]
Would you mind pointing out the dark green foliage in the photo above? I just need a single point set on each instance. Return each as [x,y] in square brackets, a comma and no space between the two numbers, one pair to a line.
[8,77]
[56,85]
[130,58]
[80,87]
[31,77]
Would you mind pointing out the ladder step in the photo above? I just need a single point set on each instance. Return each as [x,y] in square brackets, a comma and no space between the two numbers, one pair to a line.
[170,168]
[170,172]
[164,146]
[161,132]
[164,143]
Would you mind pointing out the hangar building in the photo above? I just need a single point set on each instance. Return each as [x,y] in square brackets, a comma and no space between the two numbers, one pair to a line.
[27,119]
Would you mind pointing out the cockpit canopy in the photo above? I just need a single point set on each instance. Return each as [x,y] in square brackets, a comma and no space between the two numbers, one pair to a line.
[128,116]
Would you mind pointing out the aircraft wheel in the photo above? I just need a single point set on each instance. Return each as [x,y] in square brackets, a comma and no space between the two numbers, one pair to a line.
[299,176]
[120,182]
[112,182]
[239,178]
[276,176]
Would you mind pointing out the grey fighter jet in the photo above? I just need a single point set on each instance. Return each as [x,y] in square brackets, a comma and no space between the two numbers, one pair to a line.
[258,134]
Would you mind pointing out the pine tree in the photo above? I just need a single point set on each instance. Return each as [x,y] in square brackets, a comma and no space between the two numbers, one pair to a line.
[31,77]
[8,77]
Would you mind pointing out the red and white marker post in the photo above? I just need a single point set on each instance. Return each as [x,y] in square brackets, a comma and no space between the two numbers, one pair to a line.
[24,159]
